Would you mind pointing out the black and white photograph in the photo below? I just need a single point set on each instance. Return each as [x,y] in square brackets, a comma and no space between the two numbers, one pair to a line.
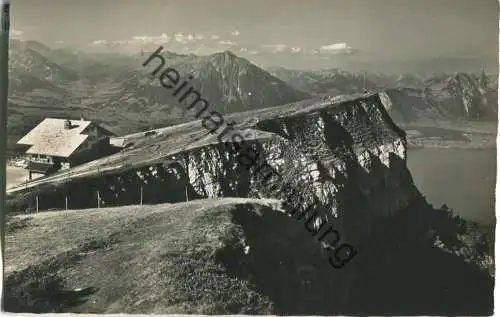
[237,157]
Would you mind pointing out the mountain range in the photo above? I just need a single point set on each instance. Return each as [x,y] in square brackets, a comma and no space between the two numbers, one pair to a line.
[116,91]
[417,96]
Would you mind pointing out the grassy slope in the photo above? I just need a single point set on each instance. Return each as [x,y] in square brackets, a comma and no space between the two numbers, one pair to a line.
[136,259]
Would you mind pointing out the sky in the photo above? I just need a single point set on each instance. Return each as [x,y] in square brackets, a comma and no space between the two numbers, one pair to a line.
[312,32]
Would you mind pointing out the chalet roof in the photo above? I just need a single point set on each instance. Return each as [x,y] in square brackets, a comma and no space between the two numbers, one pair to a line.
[50,137]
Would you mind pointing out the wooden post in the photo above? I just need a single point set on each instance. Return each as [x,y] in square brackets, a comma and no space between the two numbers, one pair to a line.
[98,200]
[187,199]
[141,194]
[37,203]
[66,202]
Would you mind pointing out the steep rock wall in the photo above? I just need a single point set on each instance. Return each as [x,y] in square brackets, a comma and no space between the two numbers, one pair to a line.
[319,151]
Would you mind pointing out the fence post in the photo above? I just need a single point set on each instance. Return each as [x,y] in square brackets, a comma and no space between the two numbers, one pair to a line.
[37,203]
[187,199]
[141,194]
[66,201]
[98,200]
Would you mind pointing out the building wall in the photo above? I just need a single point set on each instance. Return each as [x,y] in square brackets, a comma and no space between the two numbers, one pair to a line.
[92,151]
[95,137]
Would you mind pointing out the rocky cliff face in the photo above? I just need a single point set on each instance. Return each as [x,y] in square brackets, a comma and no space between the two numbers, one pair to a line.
[331,151]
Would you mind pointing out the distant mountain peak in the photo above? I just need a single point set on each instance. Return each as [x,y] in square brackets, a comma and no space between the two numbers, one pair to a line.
[227,61]
[228,53]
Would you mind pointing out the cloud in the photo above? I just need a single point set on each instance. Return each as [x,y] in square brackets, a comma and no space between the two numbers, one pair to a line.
[249,51]
[228,43]
[184,38]
[282,48]
[100,42]
[176,41]
[146,39]
[276,48]
[138,40]
[235,33]
[336,48]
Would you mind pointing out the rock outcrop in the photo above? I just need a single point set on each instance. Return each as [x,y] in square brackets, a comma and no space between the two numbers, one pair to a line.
[331,149]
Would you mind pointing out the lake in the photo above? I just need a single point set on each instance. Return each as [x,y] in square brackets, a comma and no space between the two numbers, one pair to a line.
[463,179]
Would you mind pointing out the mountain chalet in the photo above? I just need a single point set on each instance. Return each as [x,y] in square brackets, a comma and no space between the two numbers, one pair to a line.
[56,144]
